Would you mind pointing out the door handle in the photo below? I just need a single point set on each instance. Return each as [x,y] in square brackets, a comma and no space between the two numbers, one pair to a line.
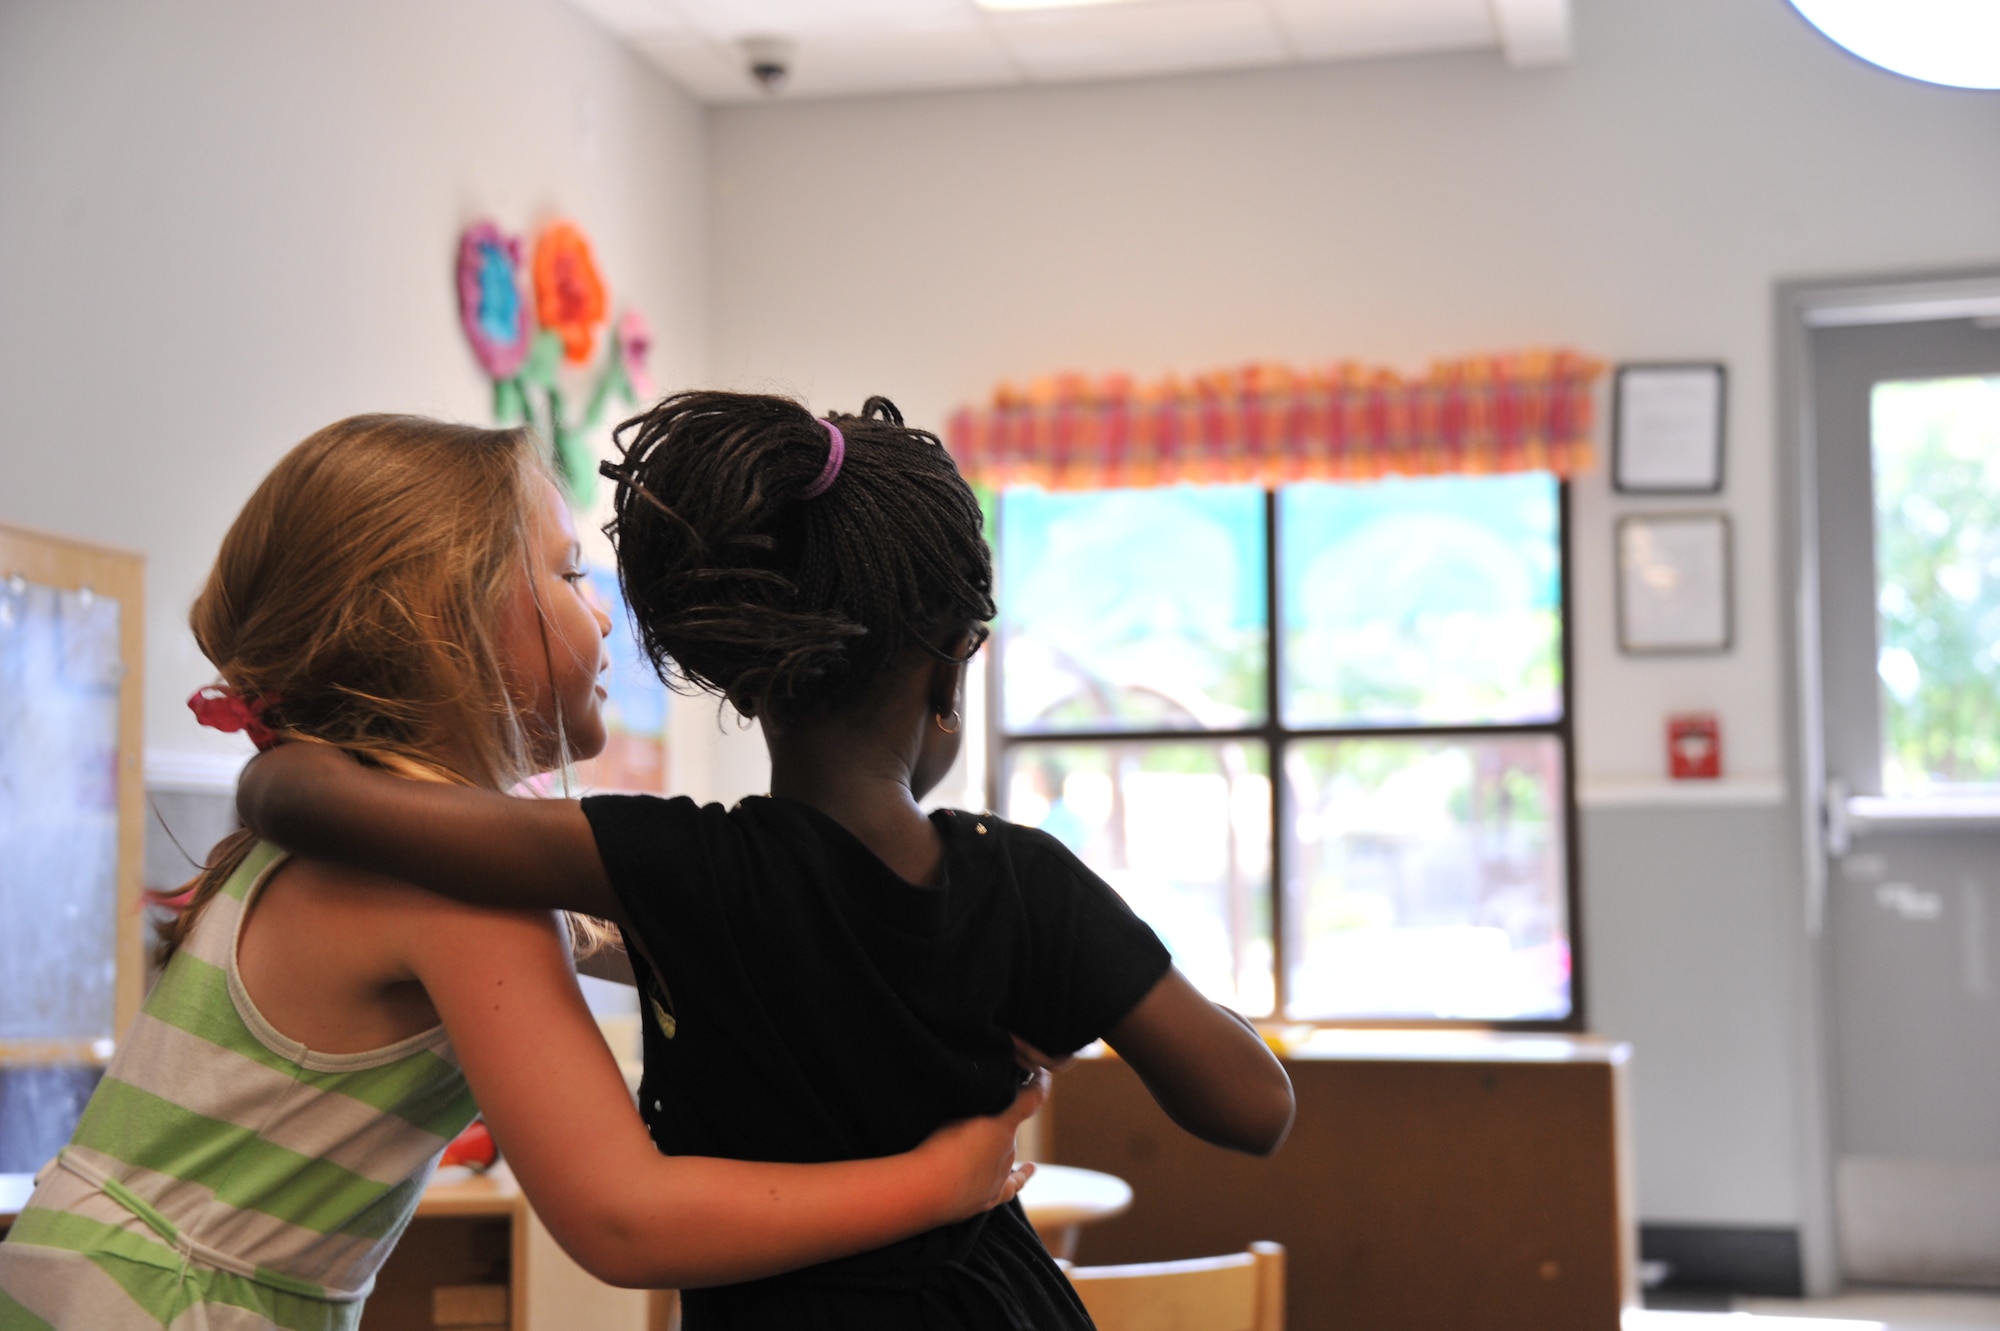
[1834,819]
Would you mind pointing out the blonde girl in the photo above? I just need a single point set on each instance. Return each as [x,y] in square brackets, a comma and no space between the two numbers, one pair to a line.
[409,592]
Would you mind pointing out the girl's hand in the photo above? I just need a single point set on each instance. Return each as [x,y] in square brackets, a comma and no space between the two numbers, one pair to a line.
[977,1154]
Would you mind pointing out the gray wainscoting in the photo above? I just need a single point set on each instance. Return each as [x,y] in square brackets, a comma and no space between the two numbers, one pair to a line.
[1691,923]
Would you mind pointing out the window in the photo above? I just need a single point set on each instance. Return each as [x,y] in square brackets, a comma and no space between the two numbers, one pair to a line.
[1318,737]
[1937,562]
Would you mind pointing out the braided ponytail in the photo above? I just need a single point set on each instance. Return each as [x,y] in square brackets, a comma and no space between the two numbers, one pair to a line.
[786,604]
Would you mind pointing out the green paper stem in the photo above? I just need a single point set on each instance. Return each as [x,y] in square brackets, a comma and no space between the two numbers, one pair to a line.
[544,359]
[510,402]
[515,400]
[610,379]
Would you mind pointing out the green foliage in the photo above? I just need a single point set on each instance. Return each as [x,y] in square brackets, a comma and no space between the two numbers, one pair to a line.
[1937,549]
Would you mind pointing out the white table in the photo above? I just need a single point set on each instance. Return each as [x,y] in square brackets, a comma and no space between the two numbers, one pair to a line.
[1061,1199]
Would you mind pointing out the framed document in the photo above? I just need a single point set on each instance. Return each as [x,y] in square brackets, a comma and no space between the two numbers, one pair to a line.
[1673,584]
[1666,423]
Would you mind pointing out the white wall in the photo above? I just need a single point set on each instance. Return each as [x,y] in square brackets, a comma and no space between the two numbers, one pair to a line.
[225,223]
[1638,203]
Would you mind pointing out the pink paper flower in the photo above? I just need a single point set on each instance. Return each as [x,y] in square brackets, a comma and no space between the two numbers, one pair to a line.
[635,342]
[489,299]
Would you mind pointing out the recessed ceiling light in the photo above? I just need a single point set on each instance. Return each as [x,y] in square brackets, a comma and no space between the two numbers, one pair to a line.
[1044,4]
[1953,42]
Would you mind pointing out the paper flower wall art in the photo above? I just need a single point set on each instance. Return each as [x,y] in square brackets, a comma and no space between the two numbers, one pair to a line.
[635,340]
[569,294]
[489,299]
[525,358]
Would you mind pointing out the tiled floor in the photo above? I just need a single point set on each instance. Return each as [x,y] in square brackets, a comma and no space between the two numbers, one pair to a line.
[1856,1310]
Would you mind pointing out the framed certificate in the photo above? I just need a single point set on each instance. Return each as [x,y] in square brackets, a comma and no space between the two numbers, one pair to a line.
[1667,428]
[1673,584]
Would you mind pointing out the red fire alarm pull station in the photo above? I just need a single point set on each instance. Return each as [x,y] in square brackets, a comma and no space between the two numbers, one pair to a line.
[1694,746]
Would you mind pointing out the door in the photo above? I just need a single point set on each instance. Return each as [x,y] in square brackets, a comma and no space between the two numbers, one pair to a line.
[1906,434]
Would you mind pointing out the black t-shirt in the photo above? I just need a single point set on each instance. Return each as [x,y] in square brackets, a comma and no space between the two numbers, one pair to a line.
[810,1005]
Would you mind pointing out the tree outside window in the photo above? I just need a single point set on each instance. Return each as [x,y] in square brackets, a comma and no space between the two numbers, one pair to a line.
[1364,815]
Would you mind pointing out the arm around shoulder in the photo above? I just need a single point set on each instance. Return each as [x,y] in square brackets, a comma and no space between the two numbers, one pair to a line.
[474,845]
[1207,1067]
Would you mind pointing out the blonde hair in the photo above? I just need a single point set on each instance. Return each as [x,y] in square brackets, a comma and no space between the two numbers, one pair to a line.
[357,599]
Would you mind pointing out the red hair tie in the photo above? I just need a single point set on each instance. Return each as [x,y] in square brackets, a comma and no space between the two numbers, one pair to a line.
[220,707]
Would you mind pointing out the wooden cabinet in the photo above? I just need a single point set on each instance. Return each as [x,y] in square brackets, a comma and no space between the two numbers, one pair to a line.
[1432,1180]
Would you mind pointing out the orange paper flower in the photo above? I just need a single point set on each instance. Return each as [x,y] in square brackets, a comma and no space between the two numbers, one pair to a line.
[569,295]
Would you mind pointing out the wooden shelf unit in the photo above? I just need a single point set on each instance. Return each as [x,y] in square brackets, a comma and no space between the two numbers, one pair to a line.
[1432,1179]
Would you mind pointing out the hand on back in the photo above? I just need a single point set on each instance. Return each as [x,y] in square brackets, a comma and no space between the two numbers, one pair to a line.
[979,1152]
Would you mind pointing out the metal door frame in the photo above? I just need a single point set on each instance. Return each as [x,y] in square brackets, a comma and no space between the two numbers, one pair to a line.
[1802,307]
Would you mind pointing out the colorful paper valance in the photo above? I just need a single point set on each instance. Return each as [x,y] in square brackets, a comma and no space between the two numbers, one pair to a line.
[1270,424]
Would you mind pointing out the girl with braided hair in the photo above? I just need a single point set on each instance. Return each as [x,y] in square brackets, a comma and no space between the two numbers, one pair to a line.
[408,592]
[828,971]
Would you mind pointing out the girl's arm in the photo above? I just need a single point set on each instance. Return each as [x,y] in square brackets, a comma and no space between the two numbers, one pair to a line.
[560,1111]
[474,845]
[1207,1067]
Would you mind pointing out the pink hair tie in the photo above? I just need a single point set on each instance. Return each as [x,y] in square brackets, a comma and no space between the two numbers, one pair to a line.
[220,707]
[176,902]
[836,453]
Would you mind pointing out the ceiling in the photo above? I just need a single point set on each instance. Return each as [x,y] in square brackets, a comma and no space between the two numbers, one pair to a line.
[836,48]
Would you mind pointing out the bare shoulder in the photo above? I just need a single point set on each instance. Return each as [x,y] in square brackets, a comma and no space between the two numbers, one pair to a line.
[342,960]
[340,906]
[315,899]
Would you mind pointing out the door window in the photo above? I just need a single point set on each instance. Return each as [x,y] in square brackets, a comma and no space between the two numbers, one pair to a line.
[1937,561]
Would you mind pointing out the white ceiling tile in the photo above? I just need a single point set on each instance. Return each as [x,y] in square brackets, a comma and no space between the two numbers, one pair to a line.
[839,65]
[1047,4]
[1121,41]
[633,16]
[731,19]
[859,46]
[906,61]
[1351,29]
[708,71]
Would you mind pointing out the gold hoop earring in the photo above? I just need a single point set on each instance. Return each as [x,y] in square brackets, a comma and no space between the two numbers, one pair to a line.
[955,725]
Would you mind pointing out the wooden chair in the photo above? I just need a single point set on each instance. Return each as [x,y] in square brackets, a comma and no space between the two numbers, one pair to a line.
[1243,1291]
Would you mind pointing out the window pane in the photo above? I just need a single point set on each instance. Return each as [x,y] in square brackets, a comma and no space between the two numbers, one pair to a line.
[1426,879]
[1132,609]
[39,1109]
[1937,562]
[1433,601]
[1182,831]
[59,679]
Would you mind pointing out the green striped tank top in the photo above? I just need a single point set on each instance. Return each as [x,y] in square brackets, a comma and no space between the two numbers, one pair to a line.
[223,1176]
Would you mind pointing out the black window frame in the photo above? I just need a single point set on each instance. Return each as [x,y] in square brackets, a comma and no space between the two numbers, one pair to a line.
[1276,736]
